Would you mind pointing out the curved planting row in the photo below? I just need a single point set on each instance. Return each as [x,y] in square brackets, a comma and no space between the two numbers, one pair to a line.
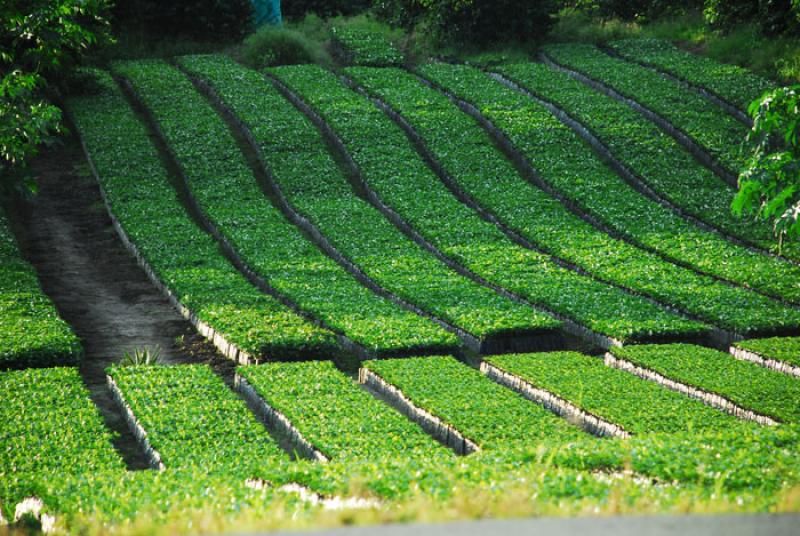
[613,395]
[716,131]
[732,83]
[192,419]
[335,415]
[227,192]
[182,259]
[488,414]
[50,431]
[363,47]
[780,353]
[747,385]
[660,162]
[31,332]
[564,163]
[394,171]
[312,184]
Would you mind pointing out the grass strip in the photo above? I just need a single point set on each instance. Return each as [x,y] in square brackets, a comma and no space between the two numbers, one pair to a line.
[186,260]
[732,83]
[227,192]
[637,405]
[342,420]
[31,332]
[485,412]
[746,384]
[718,133]
[49,430]
[391,166]
[192,419]
[542,141]
[661,163]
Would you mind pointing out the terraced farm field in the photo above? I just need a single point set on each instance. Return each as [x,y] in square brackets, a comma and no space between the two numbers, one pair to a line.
[426,292]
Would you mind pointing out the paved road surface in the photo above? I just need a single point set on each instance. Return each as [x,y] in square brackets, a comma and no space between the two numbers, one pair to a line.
[706,525]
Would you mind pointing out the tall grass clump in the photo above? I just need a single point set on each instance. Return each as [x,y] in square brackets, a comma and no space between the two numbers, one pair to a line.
[272,46]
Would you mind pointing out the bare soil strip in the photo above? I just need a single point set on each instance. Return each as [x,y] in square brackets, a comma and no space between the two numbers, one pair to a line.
[66,233]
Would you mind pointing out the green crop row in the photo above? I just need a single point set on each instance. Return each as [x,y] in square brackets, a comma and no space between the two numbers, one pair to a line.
[736,85]
[392,167]
[714,129]
[746,384]
[184,258]
[336,416]
[490,415]
[227,192]
[362,47]
[50,430]
[569,166]
[786,349]
[192,419]
[635,404]
[315,186]
[664,165]
[31,332]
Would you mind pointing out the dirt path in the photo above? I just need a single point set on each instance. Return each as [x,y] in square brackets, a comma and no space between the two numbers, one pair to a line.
[96,284]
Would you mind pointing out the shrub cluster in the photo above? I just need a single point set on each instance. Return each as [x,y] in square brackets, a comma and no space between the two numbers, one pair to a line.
[208,20]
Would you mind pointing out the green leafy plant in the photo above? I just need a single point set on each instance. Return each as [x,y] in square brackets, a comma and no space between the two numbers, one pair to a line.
[592,186]
[142,357]
[769,185]
[39,41]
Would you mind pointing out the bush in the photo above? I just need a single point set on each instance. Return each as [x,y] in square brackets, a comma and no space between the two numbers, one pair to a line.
[297,9]
[39,41]
[281,46]
[206,20]
[773,16]
[769,187]
[473,21]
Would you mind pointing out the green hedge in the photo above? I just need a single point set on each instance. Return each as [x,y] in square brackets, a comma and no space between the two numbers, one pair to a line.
[717,132]
[490,415]
[185,259]
[582,177]
[230,196]
[673,173]
[393,169]
[749,385]
[635,404]
[31,332]
[337,416]
[778,348]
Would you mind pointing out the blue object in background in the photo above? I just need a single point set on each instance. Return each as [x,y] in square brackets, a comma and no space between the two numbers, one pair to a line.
[267,12]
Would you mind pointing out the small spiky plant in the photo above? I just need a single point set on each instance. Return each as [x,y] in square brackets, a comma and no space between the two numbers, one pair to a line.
[142,357]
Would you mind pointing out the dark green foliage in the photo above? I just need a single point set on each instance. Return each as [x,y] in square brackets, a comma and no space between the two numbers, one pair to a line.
[769,187]
[773,16]
[207,20]
[633,9]
[297,9]
[363,47]
[272,46]
[39,41]
[474,21]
